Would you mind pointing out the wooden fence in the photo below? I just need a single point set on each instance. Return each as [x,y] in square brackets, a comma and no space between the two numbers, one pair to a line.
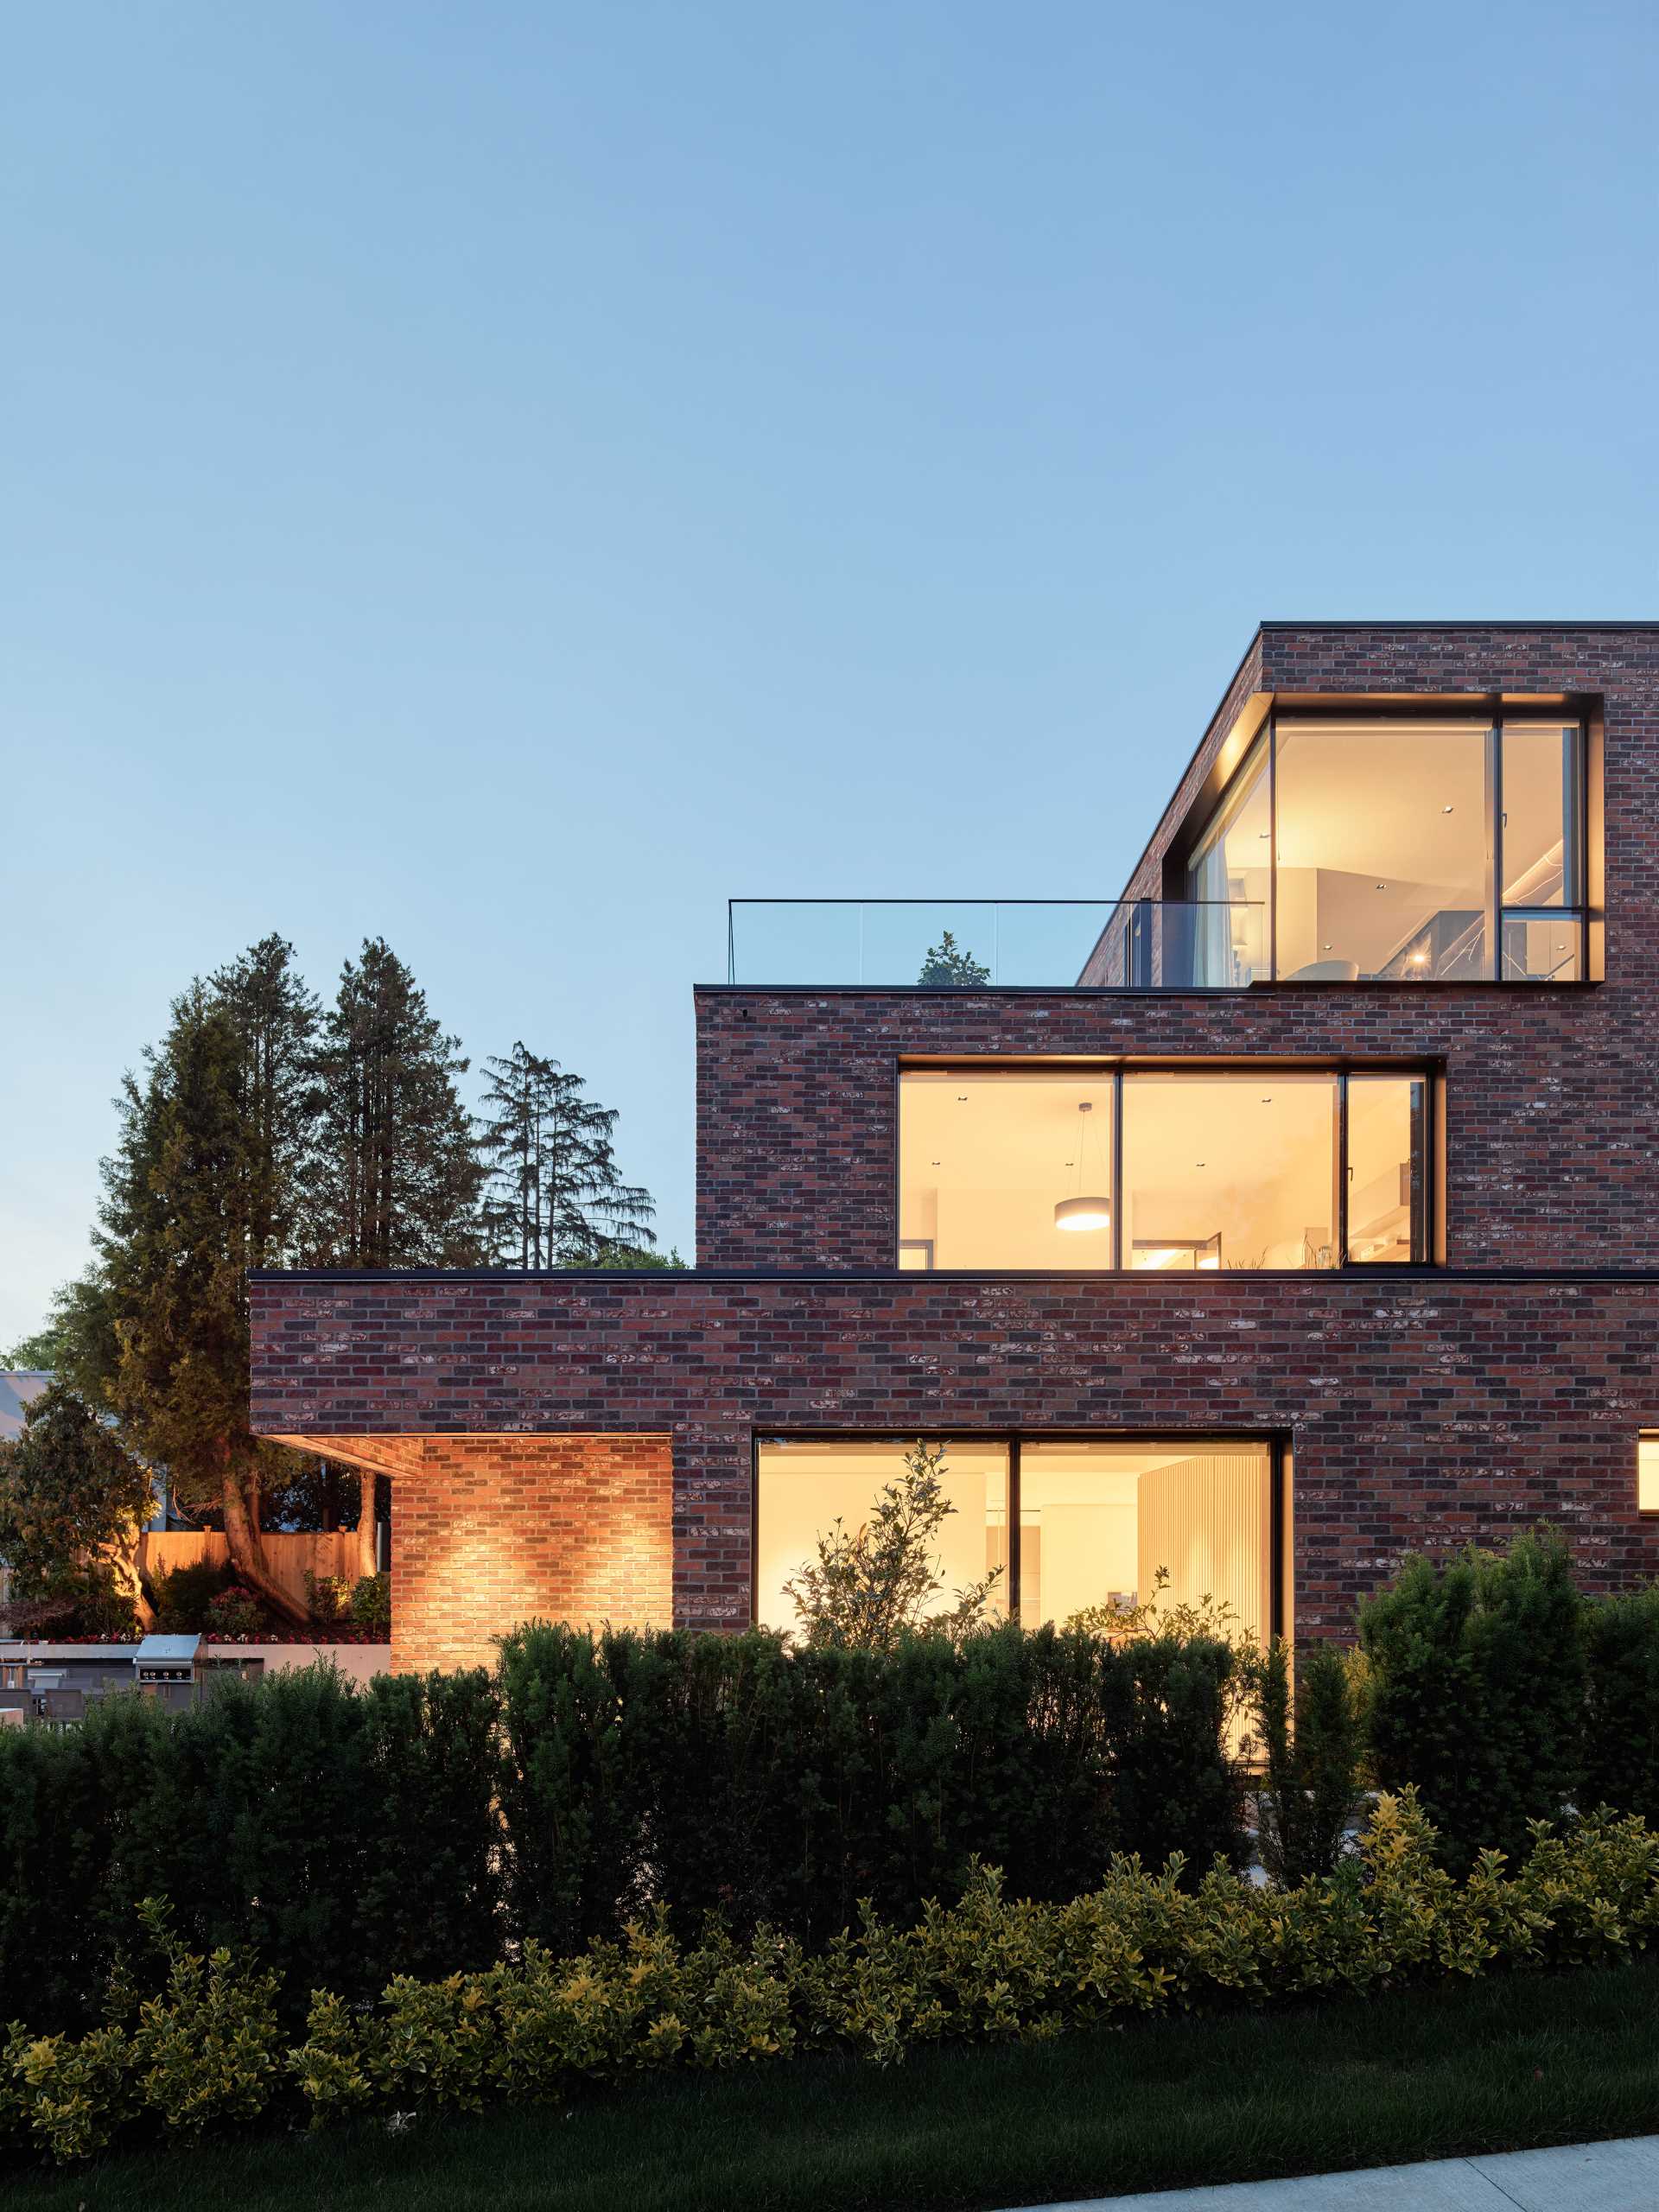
[289,1557]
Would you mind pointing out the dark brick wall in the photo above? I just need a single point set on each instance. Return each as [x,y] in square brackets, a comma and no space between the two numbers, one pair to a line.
[1550,1103]
[1422,1413]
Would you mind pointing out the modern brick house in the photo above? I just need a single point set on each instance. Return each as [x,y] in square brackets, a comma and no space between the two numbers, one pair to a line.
[1296,1210]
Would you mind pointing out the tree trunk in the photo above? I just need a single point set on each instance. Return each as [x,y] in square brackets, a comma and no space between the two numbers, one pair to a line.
[367,1560]
[247,1557]
[122,1557]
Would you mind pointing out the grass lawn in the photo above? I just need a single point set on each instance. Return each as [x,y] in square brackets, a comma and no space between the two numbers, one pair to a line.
[1496,2065]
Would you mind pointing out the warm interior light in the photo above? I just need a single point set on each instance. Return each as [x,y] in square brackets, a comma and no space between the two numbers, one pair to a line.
[1082,1213]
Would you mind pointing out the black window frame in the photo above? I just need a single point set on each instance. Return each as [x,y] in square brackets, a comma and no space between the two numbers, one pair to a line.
[1497,712]
[1427,1198]
[1280,1482]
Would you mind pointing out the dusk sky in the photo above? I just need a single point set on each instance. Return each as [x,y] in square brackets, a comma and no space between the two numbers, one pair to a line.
[505,478]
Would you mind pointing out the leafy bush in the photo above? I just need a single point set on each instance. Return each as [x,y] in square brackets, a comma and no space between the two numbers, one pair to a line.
[1314,1746]
[370,1605]
[343,1834]
[236,1613]
[184,1594]
[1620,1737]
[990,1968]
[1478,1691]
[328,1597]
[779,1786]
[864,1591]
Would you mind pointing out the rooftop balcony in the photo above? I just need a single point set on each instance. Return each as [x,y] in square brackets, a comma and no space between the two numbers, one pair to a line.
[1141,944]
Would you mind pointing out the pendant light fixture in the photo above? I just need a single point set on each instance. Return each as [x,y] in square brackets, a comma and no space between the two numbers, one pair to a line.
[1082,1212]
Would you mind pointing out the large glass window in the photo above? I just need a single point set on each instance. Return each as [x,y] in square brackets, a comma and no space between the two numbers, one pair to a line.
[1230,877]
[1386,1194]
[1230,1171]
[997,1170]
[1217,1169]
[1383,856]
[1540,854]
[1403,849]
[805,1488]
[1100,1523]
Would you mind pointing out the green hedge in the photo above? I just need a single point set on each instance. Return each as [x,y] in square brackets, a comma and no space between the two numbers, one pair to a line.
[775,1786]
[208,2047]
[1504,1695]
[419,1827]
[340,1833]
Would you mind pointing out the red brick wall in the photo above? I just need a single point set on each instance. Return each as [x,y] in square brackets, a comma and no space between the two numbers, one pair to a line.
[1423,1412]
[490,1530]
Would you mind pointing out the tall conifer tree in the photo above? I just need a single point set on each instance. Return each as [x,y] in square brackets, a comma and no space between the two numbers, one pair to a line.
[555,1199]
[397,1180]
[199,1188]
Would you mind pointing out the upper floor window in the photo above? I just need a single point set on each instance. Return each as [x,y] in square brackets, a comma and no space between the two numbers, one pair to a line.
[1186,1169]
[1406,849]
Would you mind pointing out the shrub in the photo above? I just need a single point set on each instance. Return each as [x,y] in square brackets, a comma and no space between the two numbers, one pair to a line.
[1313,1745]
[328,1596]
[344,1834]
[370,1605]
[237,1614]
[1620,1739]
[1478,1691]
[183,1595]
[781,1786]
[208,2048]
[990,1967]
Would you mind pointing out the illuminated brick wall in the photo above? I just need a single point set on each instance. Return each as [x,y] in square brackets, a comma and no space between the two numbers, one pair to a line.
[494,1530]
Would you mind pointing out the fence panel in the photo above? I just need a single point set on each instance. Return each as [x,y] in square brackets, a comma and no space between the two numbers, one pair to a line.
[288,1553]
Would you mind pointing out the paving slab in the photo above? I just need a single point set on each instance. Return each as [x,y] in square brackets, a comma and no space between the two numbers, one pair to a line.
[1622,2176]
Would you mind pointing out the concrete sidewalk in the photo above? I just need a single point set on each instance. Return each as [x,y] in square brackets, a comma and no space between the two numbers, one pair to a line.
[1619,2177]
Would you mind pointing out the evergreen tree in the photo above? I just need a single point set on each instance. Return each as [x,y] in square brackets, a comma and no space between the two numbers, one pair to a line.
[555,1199]
[398,1179]
[194,1195]
[72,1503]
[949,966]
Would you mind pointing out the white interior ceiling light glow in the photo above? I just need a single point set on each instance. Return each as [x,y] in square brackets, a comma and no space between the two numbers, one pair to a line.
[1082,1211]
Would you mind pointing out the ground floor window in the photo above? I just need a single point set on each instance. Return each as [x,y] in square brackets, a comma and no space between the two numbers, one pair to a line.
[1094,1520]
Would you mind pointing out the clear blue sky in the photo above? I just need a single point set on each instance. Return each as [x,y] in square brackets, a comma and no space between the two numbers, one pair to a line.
[506,477]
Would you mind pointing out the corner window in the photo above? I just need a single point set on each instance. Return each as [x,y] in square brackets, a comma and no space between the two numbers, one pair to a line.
[1179,1170]
[1401,850]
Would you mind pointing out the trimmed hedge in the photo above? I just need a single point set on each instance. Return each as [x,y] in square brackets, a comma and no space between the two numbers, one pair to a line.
[784,1787]
[1504,1695]
[340,1833]
[208,2047]
[420,1826]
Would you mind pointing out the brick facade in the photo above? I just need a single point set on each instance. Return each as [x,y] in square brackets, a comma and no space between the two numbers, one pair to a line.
[559,1423]
[1422,1412]
[492,1531]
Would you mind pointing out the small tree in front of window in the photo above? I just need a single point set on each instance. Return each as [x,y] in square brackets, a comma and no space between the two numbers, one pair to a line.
[864,1591]
[949,966]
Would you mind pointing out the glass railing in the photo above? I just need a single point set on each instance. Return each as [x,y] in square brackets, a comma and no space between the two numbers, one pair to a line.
[1139,944]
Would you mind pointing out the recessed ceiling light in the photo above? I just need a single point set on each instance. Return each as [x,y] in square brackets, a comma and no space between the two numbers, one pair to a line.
[1327,948]
[1381,886]
[961,1098]
[1448,810]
